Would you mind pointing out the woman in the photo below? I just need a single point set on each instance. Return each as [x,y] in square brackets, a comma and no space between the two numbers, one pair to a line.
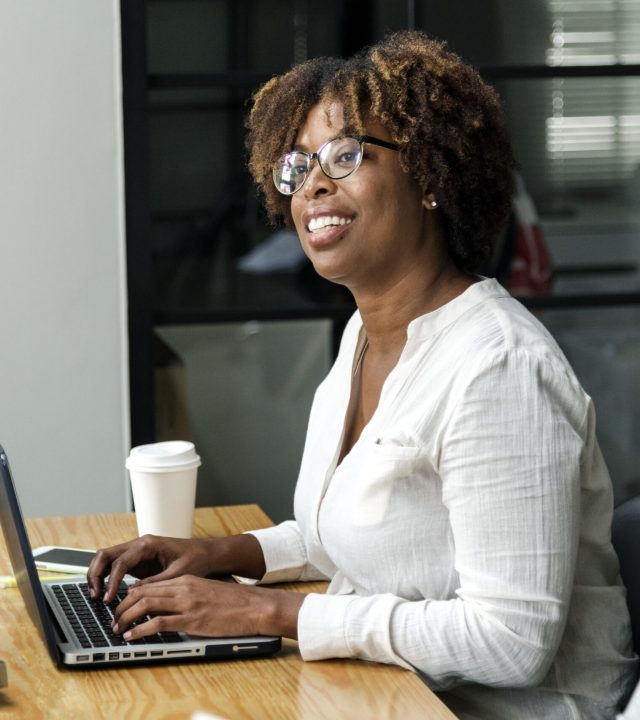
[451,485]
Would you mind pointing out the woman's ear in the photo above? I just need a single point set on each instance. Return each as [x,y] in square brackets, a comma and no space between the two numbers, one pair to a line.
[429,201]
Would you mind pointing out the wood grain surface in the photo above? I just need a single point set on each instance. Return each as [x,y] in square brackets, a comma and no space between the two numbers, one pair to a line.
[274,688]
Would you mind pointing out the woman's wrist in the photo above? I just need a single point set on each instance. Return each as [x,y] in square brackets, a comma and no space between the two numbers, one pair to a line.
[237,555]
[278,612]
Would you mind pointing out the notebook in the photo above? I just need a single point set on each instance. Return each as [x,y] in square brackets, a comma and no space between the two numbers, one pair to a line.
[77,631]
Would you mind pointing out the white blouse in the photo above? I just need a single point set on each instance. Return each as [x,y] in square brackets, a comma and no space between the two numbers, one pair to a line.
[467,532]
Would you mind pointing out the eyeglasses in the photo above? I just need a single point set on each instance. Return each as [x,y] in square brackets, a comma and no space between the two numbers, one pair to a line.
[337,158]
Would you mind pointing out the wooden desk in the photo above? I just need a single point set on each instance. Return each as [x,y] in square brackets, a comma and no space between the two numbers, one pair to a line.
[282,686]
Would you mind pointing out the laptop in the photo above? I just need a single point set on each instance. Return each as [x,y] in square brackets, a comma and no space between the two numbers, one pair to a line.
[77,631]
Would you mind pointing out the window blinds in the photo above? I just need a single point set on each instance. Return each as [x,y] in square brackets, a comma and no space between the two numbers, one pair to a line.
[592,125]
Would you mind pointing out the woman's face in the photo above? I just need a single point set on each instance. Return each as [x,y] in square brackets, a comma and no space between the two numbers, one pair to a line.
[380,210]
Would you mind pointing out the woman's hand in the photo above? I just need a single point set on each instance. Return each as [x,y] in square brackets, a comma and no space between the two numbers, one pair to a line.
[154,559]
[212,608]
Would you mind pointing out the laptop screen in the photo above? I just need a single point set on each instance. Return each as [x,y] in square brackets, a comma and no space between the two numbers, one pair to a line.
[19,549]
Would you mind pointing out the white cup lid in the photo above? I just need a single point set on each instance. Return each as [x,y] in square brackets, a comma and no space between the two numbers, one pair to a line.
[169,456]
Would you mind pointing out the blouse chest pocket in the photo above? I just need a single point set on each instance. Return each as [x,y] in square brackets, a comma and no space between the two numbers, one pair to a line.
[381,468]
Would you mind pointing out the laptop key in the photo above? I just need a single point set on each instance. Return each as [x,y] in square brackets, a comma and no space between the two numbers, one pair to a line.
[95,618]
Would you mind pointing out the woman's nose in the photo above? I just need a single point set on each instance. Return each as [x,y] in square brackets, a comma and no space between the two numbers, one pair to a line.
[317,182]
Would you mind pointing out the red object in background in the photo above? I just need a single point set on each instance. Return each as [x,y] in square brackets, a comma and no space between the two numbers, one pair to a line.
[531,267]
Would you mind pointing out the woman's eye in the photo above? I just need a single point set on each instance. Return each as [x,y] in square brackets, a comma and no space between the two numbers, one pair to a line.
[347,158]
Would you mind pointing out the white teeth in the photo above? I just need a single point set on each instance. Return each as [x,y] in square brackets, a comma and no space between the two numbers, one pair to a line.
[318,223]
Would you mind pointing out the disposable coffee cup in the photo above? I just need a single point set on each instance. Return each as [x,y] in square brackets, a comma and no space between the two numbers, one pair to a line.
[163,482]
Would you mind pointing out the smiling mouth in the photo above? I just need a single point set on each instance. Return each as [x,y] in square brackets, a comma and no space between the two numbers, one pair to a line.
[320,223]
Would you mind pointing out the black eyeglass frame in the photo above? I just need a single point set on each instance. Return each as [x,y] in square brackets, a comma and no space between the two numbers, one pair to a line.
[316,156]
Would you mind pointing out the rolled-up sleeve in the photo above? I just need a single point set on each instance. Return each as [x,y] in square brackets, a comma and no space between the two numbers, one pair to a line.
[285,554]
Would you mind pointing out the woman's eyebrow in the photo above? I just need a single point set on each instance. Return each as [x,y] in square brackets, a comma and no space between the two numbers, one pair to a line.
[301,147]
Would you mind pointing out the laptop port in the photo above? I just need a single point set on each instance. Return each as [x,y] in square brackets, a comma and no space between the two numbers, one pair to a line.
[156,653]
[126,655]
[139,654]
[113,656]
[82,658]
[98,657]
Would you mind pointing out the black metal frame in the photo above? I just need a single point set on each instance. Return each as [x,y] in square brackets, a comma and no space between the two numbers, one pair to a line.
[136,175]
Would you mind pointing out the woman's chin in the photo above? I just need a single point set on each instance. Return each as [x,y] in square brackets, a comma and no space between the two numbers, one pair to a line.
[329,271]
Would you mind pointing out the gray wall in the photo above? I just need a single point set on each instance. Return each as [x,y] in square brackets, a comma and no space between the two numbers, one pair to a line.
[63,350]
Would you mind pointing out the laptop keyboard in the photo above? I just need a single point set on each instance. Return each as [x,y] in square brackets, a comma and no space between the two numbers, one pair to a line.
[91,620]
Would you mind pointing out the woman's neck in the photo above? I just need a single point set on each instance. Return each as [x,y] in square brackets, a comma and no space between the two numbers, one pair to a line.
[386,312]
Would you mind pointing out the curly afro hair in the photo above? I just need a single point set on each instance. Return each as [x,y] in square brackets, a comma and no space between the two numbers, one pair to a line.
[447,121]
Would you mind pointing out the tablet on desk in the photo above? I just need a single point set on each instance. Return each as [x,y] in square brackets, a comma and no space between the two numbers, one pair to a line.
[63,559]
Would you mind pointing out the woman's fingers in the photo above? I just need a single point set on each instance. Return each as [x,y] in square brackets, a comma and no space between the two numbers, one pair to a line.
[100,567]
[139,592]
[142,556]
[210,608]
[151,627]
[160,607]
[161,597]
[188,604]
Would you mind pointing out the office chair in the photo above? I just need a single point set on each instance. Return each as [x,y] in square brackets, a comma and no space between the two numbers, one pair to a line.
[625,535]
